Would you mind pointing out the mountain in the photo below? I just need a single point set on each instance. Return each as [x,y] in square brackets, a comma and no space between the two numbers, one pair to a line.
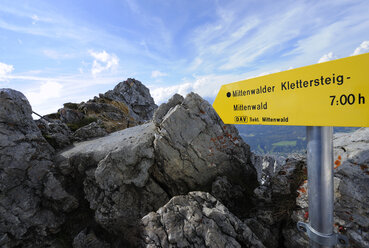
[179,178]
[279,140]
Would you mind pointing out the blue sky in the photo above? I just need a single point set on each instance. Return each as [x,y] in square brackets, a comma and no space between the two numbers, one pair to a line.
[61,51]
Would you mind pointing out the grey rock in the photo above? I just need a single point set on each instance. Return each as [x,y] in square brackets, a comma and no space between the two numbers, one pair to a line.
[131,172]
[56,133]
[70,115]
[165,107]
[193,147]
[25,167]
[92,130]
[88,239]
[195,220]
[118,184]
[136,96]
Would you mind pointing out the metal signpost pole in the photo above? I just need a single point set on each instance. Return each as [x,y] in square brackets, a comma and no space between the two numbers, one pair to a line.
[320,180]
[320,189]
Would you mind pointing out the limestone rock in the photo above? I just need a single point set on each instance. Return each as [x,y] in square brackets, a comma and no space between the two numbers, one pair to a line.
[195,220]
[92,130]
[117,181]
[136,96]
[132,172]
[193,147]
[25,179]
[55,132]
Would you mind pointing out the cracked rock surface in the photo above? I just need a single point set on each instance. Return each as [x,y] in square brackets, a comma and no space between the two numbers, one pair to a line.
[132,172]
[195,220]
[32,201]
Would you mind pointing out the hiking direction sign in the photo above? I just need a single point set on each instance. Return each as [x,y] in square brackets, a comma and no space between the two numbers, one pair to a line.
[334,93]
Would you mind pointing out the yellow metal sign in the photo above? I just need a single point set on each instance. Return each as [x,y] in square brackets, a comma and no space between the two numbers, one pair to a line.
[334,93]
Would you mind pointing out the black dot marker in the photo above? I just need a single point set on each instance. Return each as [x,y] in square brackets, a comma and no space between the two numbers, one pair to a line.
[228,94]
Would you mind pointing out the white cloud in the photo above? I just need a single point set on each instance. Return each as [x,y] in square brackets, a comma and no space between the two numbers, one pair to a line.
[46,91]
[155,74]
[205,86]
[103,62]
[5,70]
[327,57]
[56,55]
[363,48]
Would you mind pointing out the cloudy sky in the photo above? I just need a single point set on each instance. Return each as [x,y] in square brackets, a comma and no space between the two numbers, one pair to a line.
[62,51]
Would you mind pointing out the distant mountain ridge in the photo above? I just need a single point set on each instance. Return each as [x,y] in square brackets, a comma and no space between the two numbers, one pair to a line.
[279,140]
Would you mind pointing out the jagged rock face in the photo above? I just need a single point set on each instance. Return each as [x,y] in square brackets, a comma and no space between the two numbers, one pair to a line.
[136,96]
[195,220]
[92,130]
[275,198]
[56,133]
[127,105]
[193,147]
[137,170]
[351,187]
[32,201]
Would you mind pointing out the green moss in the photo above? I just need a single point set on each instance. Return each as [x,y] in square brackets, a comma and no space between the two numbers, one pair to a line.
[84,122]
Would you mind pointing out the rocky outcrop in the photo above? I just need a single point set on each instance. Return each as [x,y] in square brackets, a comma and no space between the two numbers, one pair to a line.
[92,130]
[195,220]
[33,203]
[115,191]
[56,133]
[127,105]
[130,173]
[351,186]
[136,96]
[275,198]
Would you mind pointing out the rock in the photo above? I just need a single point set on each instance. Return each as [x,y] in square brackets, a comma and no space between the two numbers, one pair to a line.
[88,239]
[195,220]
[56,133]
[136,96]
[132,172]
[351,187]
[276,196]
[117,181]
[92,130]
[193,147]
[164,108]
[26,180]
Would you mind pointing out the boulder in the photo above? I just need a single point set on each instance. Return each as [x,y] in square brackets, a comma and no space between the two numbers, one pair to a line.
[132,172]
[32,201]
[92,130]
[56,133]
[136,96]
[195,220]
[193,147]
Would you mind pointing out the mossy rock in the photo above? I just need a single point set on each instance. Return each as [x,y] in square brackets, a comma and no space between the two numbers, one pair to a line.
[71,105]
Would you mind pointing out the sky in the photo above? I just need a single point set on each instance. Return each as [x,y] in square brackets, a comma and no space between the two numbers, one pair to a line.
[69,51]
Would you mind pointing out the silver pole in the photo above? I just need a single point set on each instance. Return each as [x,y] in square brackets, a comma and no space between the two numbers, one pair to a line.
[320,180]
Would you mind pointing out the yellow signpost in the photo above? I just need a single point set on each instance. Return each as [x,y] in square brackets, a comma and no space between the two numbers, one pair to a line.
[334,93]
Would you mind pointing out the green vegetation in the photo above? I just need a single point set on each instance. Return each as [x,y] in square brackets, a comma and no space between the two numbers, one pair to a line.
[278,140]
[285,143]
